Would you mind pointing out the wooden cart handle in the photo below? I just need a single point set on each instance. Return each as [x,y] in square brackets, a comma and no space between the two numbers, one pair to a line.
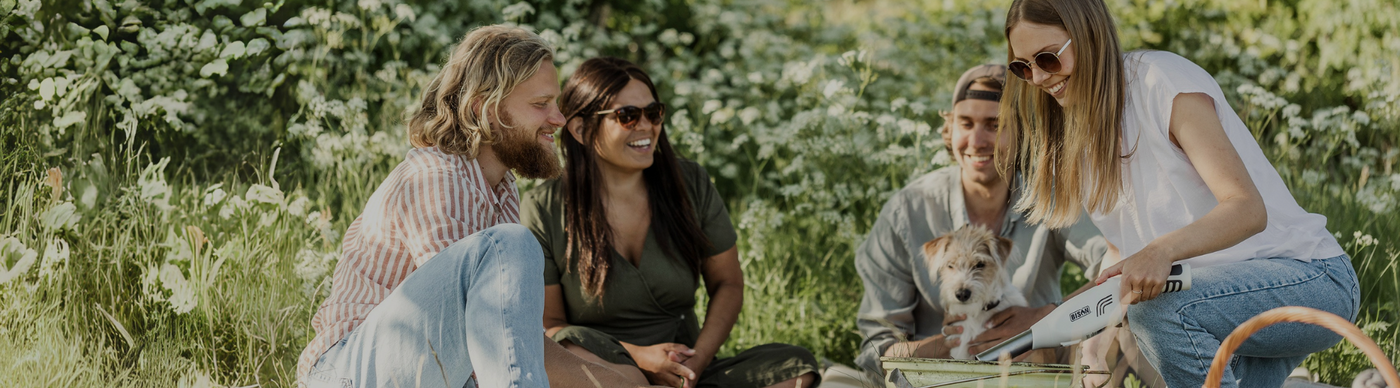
[1304,315]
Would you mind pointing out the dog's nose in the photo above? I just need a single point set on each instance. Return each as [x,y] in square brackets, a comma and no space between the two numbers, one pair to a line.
[963,294]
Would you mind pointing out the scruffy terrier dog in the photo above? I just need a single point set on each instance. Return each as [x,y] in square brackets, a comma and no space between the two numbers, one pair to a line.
[971,264]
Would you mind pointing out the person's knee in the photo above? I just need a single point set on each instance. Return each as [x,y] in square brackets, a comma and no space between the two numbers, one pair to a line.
[516,241]
[1163,308]
[510,234]
[1147,317]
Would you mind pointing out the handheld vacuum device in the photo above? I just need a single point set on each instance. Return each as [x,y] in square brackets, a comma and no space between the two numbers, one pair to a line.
[1081,317]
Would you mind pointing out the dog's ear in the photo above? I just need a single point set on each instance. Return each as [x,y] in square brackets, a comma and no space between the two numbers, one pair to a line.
[933,247]
[1003,247]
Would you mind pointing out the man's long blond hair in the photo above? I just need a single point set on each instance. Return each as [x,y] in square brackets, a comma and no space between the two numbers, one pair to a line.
[1068,157]
[484,68]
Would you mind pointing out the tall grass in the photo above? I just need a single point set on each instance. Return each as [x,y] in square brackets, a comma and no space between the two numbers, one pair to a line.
[1376,268]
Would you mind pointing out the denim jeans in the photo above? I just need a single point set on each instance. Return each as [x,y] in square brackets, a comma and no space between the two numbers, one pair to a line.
[473,310]
[1180,332]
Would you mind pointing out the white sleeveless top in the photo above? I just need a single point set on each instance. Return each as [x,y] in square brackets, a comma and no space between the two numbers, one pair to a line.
[1162,190]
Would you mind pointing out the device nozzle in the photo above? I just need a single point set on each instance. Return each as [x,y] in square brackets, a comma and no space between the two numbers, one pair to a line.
[1016,346]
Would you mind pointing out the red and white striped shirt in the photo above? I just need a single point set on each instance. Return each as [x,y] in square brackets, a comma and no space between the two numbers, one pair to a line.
[431,200]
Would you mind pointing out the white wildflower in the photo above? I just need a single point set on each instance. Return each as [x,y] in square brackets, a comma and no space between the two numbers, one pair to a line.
[722,115]
[150,282]
[369,5]
[836,110]
[918,107]
[941,158]
[404,11]
[669,37]
[312,265]
[755,77]
[799,72]
[214,194]
[196,379]
[180,249]
[729,170]
[14,251]
[60,217]
[267,219]
[832,87]
[517,11]
[181,291]
[1364,240]
[683,88]
[680,121]
[54,254]
[749,114]
[234,204]
[1313,177]
[711,106]
[264,194]
[1378,201]
[154,190]
[898,103]
[907,127]
[297,207]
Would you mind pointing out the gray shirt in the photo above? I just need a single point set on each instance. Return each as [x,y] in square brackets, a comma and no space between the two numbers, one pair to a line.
[901,291]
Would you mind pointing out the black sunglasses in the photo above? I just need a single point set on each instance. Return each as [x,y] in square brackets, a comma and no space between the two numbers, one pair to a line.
[629,115]
[1047,62]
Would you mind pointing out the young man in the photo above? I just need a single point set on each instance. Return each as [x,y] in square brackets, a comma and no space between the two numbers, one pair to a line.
[900,314]
[438,285]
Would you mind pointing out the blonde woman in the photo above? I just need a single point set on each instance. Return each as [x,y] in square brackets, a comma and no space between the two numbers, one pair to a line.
[1148,145]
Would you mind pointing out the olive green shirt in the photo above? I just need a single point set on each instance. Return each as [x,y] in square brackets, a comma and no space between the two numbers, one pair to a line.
[645,304]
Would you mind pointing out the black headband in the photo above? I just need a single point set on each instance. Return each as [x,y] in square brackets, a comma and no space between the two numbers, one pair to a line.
[983,95]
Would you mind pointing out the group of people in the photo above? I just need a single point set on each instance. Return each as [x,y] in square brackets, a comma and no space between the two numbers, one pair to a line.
[1120,163]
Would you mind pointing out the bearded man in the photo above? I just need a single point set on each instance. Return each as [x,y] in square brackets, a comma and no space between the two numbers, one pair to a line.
[438,284]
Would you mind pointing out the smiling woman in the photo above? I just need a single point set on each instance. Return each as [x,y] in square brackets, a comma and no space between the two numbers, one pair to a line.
[1148,144]
[628,232]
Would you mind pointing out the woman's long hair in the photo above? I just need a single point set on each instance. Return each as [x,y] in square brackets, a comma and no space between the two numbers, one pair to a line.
[1068,157]
[590,237]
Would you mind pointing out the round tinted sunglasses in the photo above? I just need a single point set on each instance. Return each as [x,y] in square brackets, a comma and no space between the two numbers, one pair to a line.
[1047,62]
[629,115]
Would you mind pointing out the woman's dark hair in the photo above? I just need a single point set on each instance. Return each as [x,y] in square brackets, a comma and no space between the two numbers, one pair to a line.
[590,237]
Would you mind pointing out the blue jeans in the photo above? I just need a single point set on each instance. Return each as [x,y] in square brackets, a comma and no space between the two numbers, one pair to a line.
[1180,332]
[474,309]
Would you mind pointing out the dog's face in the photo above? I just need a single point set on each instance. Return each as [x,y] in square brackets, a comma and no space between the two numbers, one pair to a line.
[969,262]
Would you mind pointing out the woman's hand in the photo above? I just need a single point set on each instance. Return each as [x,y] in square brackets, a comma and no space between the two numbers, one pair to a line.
[696,365]
[1144,275]
[658,363]
[1006,324]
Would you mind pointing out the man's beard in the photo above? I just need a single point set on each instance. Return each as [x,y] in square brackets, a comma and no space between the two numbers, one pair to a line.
[518,150]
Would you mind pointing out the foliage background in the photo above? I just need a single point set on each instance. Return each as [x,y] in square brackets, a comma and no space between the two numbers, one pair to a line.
[176,174]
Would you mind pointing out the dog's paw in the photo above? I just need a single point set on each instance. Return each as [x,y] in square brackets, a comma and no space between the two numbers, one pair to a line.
[960,353]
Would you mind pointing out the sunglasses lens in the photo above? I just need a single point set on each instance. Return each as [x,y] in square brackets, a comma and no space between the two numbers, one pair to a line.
[1048,62]
[654,112]
[628,115]
[1019,69]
